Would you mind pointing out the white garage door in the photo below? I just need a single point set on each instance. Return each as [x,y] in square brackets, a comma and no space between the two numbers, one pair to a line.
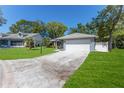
[78,45]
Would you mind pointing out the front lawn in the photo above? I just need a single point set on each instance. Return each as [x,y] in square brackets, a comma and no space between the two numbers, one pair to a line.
[20,53]
[100,70]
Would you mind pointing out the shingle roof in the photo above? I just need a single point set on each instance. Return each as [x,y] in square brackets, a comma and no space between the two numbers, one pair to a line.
[16,36]
[77,36]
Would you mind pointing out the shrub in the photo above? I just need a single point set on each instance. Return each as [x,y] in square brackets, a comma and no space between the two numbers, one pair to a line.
[46,41]
[105,39]
[29,43]
[120,41]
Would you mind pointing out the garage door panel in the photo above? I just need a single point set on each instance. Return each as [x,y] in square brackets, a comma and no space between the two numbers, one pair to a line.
[78,44]
[77,47]
[79,41]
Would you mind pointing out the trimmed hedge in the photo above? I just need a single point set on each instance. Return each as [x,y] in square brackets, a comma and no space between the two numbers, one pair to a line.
[120,41]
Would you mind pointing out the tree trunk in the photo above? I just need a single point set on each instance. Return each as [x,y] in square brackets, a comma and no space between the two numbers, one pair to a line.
[114,43]
[110,41]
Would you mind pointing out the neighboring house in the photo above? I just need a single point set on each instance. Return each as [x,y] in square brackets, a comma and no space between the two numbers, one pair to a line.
[79,42]
[18,39]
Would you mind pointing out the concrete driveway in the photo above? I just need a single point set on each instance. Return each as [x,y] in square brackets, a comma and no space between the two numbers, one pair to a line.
[50,71]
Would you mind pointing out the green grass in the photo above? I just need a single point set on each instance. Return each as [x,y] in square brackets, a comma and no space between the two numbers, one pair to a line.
[100,70]
[21,53]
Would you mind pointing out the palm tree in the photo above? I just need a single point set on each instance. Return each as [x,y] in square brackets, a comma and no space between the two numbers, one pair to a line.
[29,42]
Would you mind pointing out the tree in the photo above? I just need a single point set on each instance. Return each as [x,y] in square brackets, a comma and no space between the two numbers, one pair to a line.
[120,24]
[73,30]
[55,29]
[79,29]
[91,28]
[39,26]
[27,26]
[120,41]
[46,41]
[2,19]
[110,17]
[102,33]
[29,43]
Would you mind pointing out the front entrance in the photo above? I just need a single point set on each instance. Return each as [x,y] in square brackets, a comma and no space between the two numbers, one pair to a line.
[58,44]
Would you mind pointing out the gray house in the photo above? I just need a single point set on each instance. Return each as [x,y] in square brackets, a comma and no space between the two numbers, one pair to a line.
[80,42]
[77,42]
[18,39]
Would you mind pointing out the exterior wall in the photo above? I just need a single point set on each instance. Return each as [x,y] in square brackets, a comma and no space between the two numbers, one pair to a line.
[79,45]
[17,46]
[37,39]
[16,43]
[85,44]
[101,46]
[12,43]
[9,43]
[92,44]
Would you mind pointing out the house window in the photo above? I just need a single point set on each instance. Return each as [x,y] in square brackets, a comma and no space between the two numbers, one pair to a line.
[16,43]
[3,42]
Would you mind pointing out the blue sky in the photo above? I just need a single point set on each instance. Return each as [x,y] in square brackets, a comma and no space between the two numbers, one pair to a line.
[69,15]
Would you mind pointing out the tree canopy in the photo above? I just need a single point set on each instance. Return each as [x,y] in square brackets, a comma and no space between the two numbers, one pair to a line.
[27,26]
[88,28]
[2,19]
[79,29]
[55,29]
[108,19]
[51,29]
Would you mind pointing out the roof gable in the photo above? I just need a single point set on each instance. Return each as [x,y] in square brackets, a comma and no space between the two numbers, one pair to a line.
[16,36]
